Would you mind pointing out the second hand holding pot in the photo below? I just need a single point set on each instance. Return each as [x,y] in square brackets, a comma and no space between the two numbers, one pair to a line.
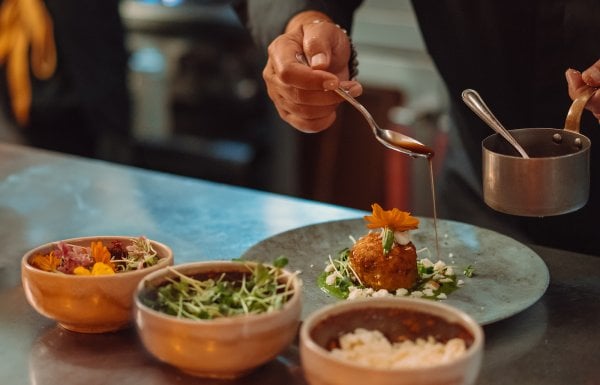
[554,181]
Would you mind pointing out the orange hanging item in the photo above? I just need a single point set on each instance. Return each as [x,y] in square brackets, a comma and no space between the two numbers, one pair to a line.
[26,41]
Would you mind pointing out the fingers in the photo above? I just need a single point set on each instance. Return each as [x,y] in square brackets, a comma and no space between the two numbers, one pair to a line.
[297,90]
[577,83]
[352,87]
[591,76]
[305,109]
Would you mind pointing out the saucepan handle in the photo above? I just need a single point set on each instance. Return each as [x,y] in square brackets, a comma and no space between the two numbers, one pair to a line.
[573,121]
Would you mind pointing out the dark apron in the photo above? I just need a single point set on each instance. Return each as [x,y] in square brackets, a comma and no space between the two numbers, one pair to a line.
[515,53]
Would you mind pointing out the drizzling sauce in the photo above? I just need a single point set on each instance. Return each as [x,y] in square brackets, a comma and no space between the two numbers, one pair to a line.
[416,148]
[437,239]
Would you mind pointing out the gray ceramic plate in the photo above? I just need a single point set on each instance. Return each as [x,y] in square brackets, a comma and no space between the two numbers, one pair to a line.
[509,276]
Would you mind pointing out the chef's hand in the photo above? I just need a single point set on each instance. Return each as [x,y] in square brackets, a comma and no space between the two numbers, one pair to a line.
[579,81]
[302,94]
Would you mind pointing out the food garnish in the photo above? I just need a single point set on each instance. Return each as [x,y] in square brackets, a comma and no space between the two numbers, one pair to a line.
[390,222]
[435,280]
[469,271]
[97,259]
[262,289]
[376,274]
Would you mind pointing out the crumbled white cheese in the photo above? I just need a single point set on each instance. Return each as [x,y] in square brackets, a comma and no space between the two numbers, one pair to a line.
[402,237]
[439,266]
[381,293]
[371,348]
[426,262]
[330,279]
[432,285]
[356,292]
[401,292]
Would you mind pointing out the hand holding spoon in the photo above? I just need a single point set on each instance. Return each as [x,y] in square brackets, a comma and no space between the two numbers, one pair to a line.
[391,139]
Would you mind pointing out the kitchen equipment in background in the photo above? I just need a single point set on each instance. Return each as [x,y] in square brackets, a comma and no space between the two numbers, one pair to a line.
[199,105]
[554,181]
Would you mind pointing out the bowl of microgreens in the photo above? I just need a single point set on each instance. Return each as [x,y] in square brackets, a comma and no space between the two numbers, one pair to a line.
[87,284]
[219,319]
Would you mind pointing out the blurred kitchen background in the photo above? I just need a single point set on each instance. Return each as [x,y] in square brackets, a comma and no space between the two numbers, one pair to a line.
[200,108]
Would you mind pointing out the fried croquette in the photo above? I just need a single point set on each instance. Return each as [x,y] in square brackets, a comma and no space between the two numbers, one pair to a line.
[397,269]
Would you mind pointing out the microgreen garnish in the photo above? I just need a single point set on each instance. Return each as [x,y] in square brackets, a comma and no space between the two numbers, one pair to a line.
[469,271]
[262,289]
[435,281]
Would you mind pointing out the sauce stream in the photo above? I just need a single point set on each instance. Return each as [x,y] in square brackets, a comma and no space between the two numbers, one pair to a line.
[432,183]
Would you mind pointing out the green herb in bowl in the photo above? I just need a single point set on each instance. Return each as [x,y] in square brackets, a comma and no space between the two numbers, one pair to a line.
[219,319]
[220,294]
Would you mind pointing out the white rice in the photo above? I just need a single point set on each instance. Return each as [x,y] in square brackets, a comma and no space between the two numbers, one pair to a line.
[371,348]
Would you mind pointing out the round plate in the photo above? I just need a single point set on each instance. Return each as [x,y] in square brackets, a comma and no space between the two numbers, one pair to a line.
[509,276]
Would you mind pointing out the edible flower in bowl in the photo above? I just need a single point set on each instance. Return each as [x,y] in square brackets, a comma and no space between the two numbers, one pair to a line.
[97,259]
[86,284]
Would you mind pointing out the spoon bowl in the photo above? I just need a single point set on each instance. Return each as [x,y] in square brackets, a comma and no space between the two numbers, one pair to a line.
[389,138]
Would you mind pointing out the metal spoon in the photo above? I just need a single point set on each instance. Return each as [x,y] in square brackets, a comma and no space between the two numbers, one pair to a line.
[476,103]
[391,139]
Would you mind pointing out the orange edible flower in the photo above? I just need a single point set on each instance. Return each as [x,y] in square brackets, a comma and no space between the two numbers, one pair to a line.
[393,219]
[80,270]
[101,254]
[101,268]
[47,262]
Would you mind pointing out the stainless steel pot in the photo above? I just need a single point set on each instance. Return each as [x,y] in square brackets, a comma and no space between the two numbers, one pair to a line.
[556,178]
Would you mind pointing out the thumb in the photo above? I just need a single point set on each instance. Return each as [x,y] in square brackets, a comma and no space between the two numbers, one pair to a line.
[574,82]
[317,50]
[321,43]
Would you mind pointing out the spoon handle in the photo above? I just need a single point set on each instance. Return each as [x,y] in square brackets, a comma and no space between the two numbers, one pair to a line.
[476,103]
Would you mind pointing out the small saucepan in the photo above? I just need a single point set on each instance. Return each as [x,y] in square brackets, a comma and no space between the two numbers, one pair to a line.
[555,179]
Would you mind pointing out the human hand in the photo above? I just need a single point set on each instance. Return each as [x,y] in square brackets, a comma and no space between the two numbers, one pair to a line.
[579,81]
[303,95]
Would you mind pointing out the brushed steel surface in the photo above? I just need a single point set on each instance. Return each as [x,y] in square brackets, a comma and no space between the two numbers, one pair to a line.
[45,196]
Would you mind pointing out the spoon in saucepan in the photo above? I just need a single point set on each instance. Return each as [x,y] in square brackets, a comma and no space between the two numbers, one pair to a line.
[476,103]
[391,139]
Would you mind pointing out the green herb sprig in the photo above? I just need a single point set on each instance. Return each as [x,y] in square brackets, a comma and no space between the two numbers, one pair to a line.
[263,289]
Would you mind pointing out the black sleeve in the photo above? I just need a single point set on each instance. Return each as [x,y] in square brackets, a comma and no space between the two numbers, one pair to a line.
[266,19]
